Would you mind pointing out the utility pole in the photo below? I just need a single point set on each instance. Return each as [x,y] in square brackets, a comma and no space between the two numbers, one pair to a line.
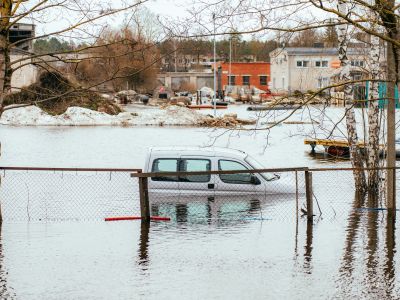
[391,132]
[230,62]
[215,72]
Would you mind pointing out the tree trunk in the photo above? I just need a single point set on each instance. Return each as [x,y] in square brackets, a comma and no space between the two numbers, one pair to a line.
[373,119]
[5,66]
[355,155]
[387,13]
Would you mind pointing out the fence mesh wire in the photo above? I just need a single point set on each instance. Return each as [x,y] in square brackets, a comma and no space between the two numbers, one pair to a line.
[229,198]
[29,195]
[60,195]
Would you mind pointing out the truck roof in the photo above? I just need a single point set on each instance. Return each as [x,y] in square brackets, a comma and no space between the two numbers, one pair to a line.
[202,151]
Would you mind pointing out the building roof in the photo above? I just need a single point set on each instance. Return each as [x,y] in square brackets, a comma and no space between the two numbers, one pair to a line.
[318,51]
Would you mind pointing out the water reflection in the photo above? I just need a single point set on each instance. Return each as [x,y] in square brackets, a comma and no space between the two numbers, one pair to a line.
[390,245]
[308,248]
[5,293]
[143,260]
[181,213]
[201,209]
[365,271]
[371,262]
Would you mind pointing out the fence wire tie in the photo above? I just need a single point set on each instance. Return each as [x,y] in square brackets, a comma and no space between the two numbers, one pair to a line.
[110,175]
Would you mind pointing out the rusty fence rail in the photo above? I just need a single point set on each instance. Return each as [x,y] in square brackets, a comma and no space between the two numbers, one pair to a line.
[79,194]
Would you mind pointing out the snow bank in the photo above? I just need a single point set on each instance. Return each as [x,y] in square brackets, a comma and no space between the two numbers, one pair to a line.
[77,116]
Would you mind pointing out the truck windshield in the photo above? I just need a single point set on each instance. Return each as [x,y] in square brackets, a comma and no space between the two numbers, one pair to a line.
[256,165]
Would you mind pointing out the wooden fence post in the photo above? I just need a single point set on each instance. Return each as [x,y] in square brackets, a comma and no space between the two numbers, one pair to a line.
[144,199]
[309,195]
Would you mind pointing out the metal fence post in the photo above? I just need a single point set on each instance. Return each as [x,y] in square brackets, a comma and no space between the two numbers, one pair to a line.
[309,195]
[144,199]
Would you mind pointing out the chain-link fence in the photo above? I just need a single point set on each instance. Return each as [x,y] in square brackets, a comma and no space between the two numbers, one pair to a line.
[39,194]
[35,194]
[227,196]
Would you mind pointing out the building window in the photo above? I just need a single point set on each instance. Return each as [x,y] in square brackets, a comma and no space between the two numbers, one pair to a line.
[302,63]
[274,83]
[357,63]
[231,80]
[283,82]
[193,60]
[321,63]
[246,80]
[322,82]
[357,76]
[263,80]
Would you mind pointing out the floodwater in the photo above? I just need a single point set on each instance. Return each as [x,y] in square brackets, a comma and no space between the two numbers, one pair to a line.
[351,254]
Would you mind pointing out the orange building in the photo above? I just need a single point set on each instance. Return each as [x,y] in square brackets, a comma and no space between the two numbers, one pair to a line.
[251,74]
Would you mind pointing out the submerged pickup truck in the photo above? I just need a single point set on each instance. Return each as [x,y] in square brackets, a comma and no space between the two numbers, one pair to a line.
[191,159]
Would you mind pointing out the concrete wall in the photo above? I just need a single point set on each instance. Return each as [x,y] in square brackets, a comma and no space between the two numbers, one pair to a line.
[203,81]
[179,80]
[311,77]
[279,72]
[24,76]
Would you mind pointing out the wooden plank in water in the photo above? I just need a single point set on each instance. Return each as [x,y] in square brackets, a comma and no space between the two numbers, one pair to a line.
[207,106]
[334,143]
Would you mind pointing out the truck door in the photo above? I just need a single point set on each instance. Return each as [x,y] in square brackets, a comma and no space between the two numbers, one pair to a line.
[201,185]
[237,184]
[164,183]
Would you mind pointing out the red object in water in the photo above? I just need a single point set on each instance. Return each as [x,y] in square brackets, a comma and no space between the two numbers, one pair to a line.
[154,218]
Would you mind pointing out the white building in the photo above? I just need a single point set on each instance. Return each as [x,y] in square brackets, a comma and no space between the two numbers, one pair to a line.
[303,69]
[25,73]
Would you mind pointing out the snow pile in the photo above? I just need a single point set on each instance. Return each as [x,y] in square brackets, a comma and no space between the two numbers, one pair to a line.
[172,115]
[77,116]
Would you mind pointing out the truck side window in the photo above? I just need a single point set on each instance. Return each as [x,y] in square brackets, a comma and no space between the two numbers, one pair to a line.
[229,165]
[193,165]
[165,165]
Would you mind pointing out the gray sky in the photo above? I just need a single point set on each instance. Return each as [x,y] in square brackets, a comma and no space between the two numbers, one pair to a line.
[173,8]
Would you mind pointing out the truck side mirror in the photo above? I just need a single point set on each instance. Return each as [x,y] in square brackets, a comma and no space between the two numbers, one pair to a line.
[254,180]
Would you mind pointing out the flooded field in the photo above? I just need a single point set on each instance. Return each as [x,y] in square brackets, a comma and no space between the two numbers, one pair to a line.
[240,251]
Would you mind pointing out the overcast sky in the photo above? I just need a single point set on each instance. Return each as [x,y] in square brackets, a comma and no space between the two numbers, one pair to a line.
[168,7]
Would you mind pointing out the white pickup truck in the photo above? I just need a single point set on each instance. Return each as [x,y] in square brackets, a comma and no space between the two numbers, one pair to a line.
[187,159]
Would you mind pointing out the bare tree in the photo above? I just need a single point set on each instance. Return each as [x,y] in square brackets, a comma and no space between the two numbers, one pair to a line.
[84,22]
[378,20]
